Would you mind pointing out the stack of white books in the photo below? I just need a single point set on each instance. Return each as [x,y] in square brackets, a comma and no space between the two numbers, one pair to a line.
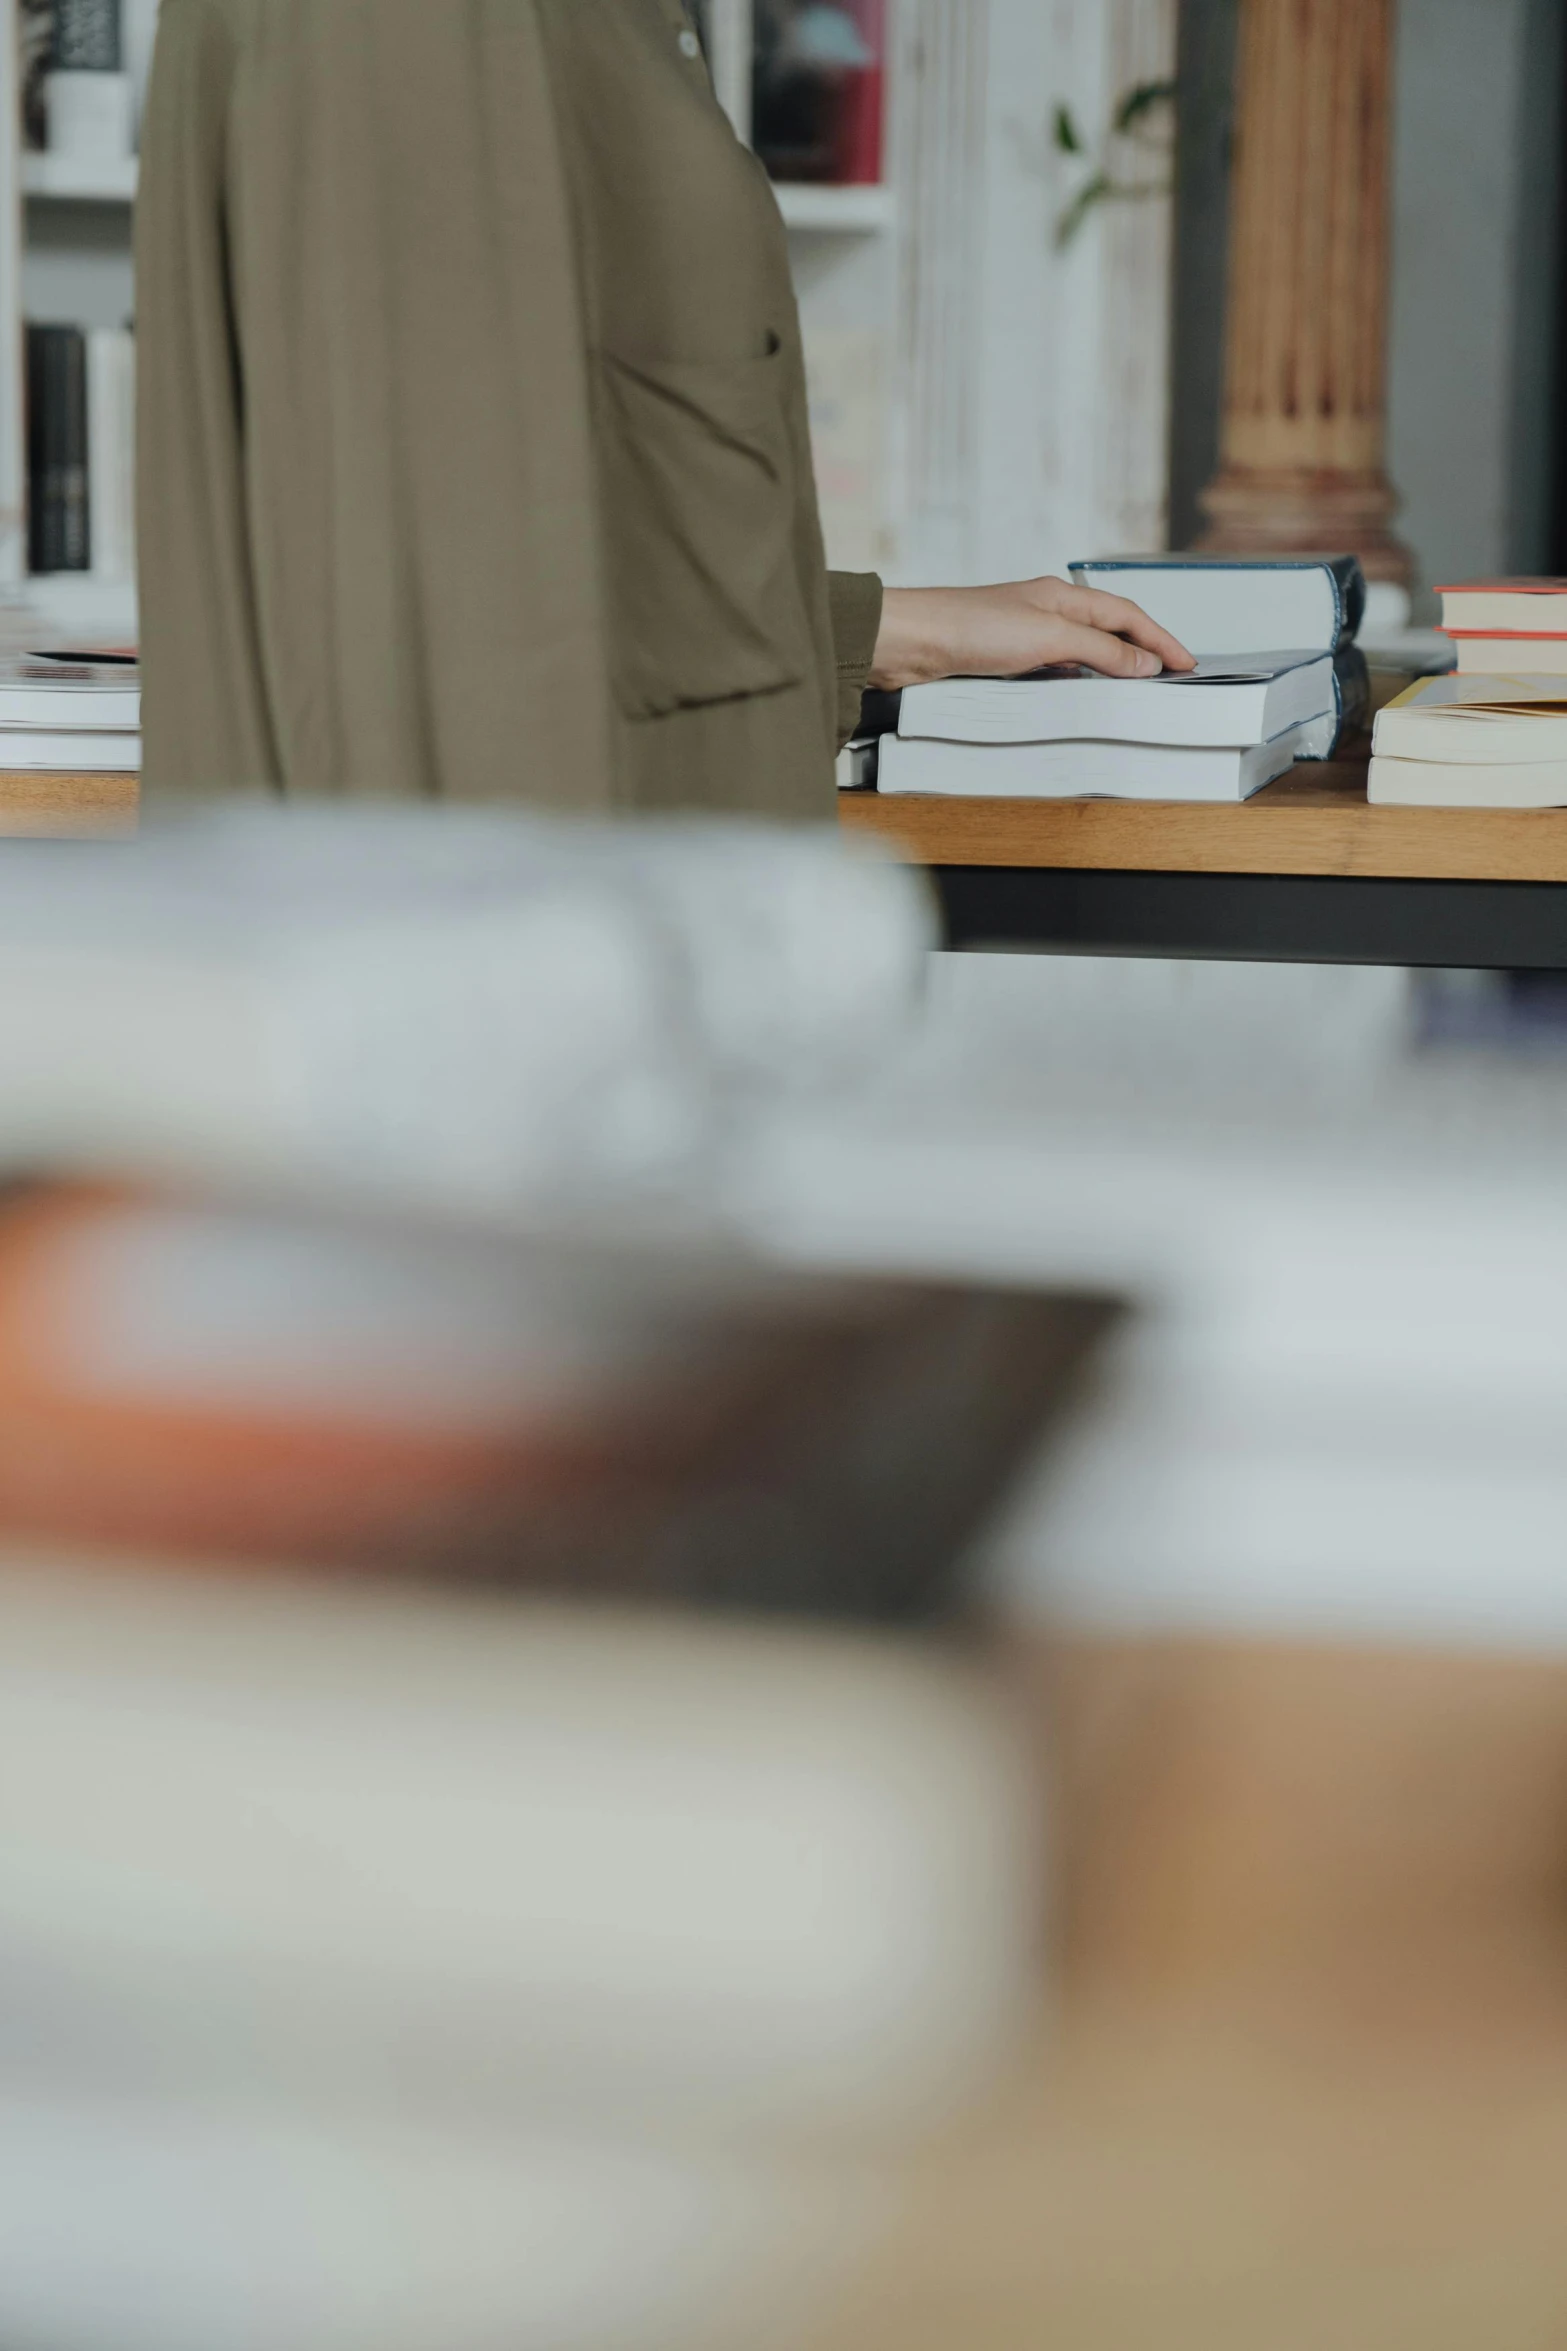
[1494,736]
[67,715]
[1473,742]
[1278,678]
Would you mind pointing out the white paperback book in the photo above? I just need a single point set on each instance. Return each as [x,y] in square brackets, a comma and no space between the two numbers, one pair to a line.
[1473,742]
[1227,701]
[1070,771]
[43,692]
[34,750]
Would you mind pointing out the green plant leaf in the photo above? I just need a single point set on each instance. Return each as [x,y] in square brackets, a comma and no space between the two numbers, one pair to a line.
[1140,101]
[1092,192]
[1067,139]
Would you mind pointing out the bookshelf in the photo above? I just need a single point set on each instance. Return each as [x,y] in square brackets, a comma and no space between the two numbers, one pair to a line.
[839,198]
[68,180]
[65,255]
[849,211]
[985,404]
[848,207]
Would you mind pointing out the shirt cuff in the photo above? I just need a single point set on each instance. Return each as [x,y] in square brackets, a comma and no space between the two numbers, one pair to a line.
[855,597]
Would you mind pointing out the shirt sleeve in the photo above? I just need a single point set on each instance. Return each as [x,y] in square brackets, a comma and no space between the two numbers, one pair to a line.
[856,623]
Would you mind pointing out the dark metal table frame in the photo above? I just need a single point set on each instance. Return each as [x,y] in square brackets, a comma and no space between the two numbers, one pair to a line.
[1276,918]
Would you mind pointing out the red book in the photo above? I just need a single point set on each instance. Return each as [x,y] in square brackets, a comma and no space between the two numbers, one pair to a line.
[860,158]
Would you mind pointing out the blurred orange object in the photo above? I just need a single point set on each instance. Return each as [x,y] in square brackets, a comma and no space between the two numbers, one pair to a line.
[247,1382]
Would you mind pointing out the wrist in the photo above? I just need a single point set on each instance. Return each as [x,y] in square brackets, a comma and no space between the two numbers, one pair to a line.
[910,645]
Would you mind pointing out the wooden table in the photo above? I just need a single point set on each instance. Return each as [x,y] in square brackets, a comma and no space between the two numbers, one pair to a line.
[1306,871]
[1305,2086]
[67,807]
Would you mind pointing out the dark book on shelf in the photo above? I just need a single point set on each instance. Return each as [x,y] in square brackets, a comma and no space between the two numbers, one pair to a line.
[58,537]
[818,94]
[87,36]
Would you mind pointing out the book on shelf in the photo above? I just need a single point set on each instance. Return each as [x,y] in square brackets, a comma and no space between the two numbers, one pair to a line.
[1502,626]
[86,36]
[818,100]
[111,452]
[1239,604]
[1473,742]
[57,448]
[81,435]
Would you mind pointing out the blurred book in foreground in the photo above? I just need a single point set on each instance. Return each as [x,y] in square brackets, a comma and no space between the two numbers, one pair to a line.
[237,1382]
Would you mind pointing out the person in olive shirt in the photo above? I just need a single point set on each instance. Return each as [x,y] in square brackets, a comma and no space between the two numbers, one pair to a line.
[473,446]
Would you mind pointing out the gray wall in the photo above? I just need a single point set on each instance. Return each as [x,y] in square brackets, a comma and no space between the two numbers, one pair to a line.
[1477,198]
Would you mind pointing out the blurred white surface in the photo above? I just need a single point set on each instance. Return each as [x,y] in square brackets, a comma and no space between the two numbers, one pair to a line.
[384,1972]
[1343,1410]
[169,2227]
[400,1854]
[463,1010]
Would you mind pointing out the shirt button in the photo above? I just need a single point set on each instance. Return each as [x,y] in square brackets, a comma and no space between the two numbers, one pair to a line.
[690,46]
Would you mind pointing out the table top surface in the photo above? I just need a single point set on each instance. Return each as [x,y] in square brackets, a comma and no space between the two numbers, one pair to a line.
[1305,2079]
[1316,820]
[36,806]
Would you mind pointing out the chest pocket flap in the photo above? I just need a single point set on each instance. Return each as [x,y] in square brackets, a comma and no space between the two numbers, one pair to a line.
[699,493]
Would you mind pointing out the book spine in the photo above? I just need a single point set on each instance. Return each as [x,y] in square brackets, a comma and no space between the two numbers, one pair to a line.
[111,433]
[1349,587]
[1351,705]
[58,537]
[879,714]
[87,36]
[860,156]
[47,538]
[77,545]
[37,466]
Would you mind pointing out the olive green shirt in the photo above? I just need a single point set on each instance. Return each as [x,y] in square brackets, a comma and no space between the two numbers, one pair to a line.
[474,457]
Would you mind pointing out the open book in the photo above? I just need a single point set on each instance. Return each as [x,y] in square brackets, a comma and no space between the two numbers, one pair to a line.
[1497,741]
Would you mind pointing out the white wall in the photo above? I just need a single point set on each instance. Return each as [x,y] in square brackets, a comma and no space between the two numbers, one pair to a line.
[1039,378]
[1023,391]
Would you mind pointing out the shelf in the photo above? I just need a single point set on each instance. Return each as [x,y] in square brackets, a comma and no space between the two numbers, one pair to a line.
[74,179]
[75,608]
[855,212]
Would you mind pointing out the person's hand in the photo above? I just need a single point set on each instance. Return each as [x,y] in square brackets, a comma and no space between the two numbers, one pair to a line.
[1004,632]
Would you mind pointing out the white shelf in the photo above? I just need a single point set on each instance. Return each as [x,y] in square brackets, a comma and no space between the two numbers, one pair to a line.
[74,608]
[858,212]
[73,179]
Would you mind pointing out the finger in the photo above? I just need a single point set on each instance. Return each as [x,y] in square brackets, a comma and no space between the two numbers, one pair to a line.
[1113,657]
[1119,616]
[1122,618]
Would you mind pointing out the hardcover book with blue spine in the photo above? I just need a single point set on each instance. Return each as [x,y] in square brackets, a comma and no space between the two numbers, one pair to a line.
[1238,603]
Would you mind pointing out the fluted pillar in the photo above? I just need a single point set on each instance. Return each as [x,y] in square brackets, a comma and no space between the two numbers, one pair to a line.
[1305,404]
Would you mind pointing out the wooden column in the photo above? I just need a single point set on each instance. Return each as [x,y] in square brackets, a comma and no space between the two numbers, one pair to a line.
[1306,330]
